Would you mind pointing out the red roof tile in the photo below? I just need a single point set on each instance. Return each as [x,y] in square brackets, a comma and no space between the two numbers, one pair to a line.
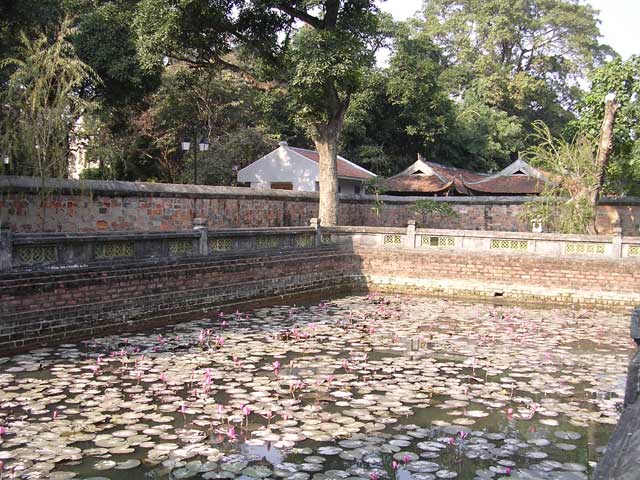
[417,183]
[508,185]
[453,172]
[345,169]
[433,178]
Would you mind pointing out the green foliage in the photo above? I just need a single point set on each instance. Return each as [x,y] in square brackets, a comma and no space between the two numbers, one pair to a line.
[373,135]
[42,103]
[464,83]
[509,64]
[227,154]
[106,41]
[426,208]
[329,65]
[375,186]
[539,37]
[191,103]
[622,78]
[564,205]
[400,111]
[481,137]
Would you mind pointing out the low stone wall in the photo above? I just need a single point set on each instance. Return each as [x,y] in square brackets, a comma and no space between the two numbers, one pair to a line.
[73,250]
[512,243]
[100,206]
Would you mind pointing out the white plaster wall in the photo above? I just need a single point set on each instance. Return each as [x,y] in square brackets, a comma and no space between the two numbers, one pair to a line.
[281,165]
[348,187]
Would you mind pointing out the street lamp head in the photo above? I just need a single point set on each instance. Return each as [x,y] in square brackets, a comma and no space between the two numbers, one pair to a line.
[186,145]
[5,159]
[204,144]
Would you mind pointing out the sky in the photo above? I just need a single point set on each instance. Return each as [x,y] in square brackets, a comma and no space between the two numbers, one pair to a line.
[620,21]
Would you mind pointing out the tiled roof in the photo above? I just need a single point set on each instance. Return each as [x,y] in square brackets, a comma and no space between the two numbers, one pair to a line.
[346,169]
[519,178]
[454,172]
[511,185]
[417,184]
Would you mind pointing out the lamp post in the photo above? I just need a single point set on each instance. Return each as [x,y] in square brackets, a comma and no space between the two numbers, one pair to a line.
[203,146]
[5,161]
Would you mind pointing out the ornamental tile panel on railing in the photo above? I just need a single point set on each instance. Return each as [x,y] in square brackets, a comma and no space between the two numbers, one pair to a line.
[220,244]
[180,247]
[433,241]
[305,240]
[576,248]
[267,242]
[107,250]
[504,244]
[393,240]
[35,255]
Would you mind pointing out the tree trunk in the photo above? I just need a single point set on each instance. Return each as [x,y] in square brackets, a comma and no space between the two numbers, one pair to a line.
[326,140]
[327,146]
[605,148]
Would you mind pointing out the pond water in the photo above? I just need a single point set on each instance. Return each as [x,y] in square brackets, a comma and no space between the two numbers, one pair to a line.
[358,387]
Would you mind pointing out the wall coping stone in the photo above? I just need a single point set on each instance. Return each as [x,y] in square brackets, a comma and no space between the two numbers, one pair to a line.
[44,238]
[117,188]
[479,234]
[565,259]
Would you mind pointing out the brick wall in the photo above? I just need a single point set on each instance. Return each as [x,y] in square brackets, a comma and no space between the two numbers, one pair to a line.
[51,306]
[89,206]
[527,277]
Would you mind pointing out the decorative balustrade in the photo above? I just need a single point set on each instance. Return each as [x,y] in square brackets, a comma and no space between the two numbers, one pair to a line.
[42,251]
[511,243]
[32,251]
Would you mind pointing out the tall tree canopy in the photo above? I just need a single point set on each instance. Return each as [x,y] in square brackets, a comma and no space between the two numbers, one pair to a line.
[316,53]
[42,103]
[621,77]
[463,85]
[508,64]
[546,39]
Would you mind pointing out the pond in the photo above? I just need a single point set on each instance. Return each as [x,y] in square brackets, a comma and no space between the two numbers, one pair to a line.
[360,387]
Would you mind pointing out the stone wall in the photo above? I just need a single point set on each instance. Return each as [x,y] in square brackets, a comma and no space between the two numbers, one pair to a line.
[90,206]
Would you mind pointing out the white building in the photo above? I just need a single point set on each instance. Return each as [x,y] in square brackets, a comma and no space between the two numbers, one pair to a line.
[291,168]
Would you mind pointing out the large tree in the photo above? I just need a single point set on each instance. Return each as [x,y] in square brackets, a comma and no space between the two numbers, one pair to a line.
[402,109]
[42,103]
[621,77]
[519,60]
[547,39]
[316,53]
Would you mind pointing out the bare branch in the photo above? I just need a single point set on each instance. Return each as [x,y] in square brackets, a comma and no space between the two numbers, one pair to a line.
[305,17]
[250,79]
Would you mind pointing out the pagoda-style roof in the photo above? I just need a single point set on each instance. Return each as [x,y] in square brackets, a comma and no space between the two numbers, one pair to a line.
[519,178]
[430,178]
